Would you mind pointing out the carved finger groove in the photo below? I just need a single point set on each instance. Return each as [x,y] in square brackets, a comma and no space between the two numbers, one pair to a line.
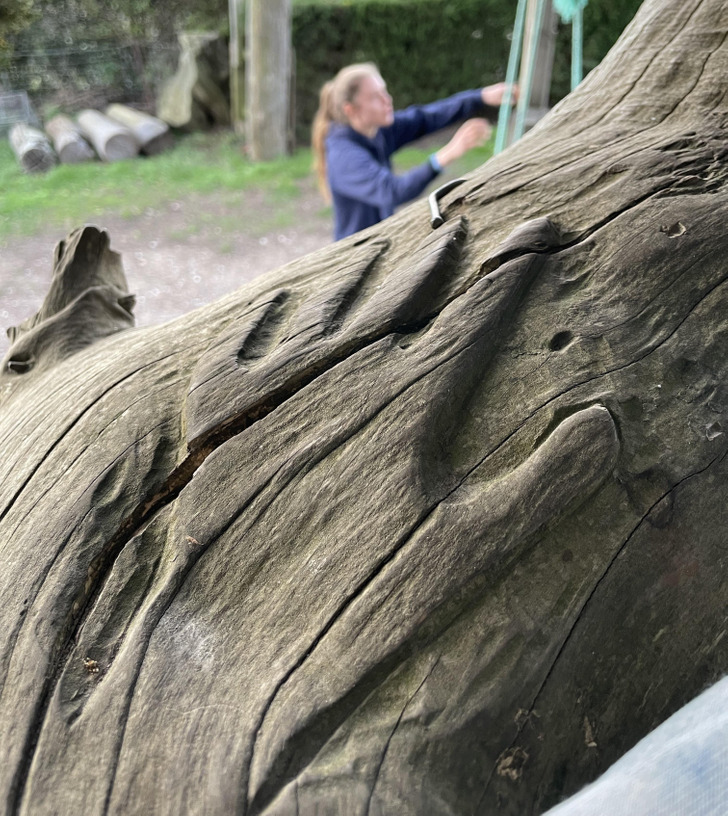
[323,338]
[264,331]
[348,297]
[416,290]
[484,516]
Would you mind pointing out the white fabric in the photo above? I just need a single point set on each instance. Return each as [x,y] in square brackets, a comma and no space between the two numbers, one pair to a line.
[679,769]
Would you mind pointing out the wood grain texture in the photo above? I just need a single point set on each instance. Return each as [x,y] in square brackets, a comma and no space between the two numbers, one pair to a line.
[428,522]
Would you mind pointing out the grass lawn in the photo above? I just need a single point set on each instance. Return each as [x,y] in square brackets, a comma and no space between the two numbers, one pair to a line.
[206,164]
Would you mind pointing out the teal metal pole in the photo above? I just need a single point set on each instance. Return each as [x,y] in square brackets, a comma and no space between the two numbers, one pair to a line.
[577,43]
[524,96]
[504,113]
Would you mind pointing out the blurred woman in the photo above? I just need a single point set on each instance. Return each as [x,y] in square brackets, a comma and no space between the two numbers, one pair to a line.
[356,130]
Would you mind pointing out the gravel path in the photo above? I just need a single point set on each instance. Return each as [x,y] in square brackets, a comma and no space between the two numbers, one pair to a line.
[176,258]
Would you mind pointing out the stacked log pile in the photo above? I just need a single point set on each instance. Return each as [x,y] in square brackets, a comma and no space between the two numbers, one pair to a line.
[119,133]
[195,98]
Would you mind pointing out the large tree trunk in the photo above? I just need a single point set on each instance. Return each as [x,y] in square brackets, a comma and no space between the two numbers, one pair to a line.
[268,78]
[429,522]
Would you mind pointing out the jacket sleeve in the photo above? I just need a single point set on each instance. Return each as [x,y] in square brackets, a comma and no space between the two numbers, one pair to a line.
[353,172]
[420,120]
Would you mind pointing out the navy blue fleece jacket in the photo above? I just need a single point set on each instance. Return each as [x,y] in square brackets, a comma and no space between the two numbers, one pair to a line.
[363,187]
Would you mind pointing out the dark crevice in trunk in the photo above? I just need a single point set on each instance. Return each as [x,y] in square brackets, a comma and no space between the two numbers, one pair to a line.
[385,749]
[61,437]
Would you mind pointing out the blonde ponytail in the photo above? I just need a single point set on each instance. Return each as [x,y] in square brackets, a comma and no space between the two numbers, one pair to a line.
[319,131]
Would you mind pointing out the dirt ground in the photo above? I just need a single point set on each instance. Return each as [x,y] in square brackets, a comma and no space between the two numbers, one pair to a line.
[176,258]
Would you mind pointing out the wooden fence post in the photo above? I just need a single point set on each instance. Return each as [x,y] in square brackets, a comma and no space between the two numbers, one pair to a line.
[267,77]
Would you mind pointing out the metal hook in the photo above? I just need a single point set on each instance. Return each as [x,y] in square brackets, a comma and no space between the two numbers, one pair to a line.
[437,219]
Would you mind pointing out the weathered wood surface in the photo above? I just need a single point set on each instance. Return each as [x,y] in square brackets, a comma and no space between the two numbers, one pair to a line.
[112,141]
[428,522]
[196,96]
[31,148]
[152,134]
[68,141]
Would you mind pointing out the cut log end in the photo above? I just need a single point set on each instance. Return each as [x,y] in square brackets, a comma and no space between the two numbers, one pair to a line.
[119,147]
[37,160]
[32,150]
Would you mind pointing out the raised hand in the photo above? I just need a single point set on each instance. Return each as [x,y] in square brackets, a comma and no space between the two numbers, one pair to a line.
[494,94]
[472,133]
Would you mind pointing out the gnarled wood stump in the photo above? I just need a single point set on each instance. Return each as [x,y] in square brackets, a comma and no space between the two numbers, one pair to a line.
[196,96]
[429,522]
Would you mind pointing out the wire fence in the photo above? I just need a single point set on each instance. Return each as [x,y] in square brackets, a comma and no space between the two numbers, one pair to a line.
[91,74]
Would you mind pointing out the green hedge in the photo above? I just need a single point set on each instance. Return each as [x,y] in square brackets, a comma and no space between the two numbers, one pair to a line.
[427,49]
